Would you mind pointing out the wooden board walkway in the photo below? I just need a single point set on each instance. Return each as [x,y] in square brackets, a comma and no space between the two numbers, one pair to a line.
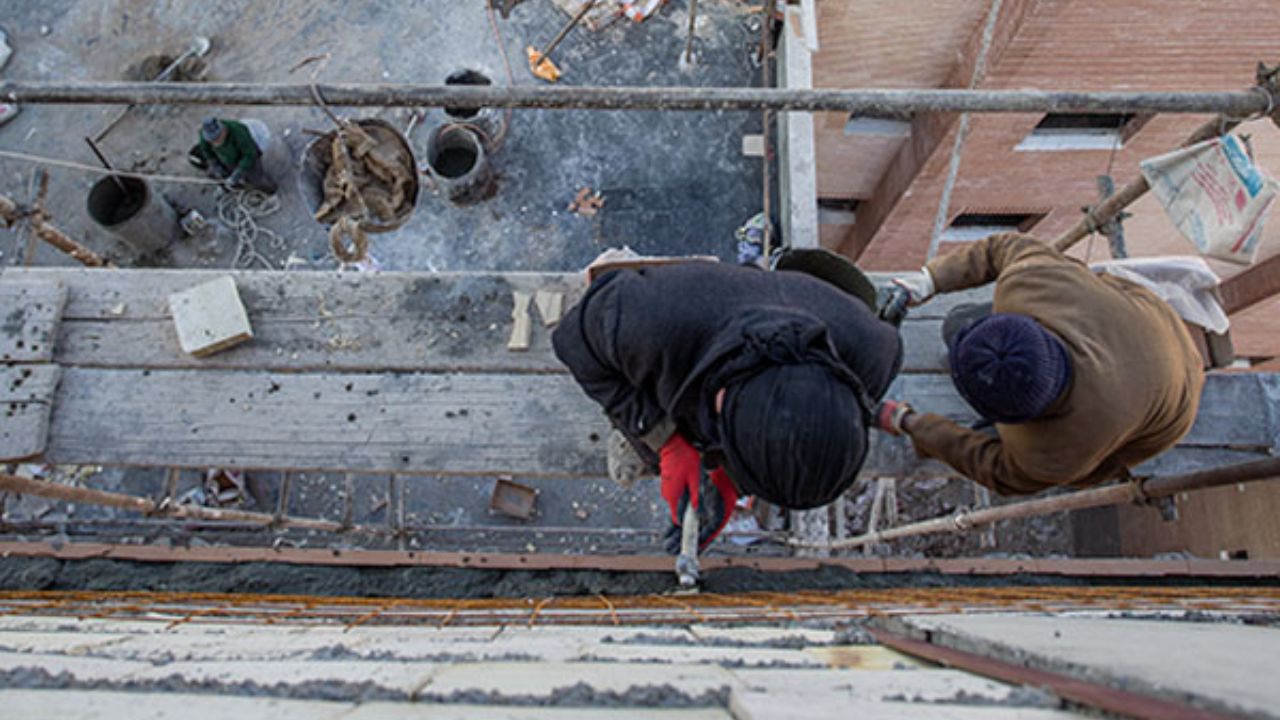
[409,373]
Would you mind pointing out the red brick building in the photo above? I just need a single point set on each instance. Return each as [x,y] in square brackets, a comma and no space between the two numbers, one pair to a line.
[880,185]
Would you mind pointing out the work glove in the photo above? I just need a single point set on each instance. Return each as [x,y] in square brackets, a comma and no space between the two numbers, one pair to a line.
[715,500]
[683,481]
[890,415]
[235,180]
[919,289]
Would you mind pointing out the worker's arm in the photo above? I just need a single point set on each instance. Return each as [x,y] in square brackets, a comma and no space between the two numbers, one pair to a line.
[984,261]
[582,342]
[976,455]
[246,149]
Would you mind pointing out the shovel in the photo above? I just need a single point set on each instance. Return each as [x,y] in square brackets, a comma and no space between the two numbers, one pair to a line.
[198,48]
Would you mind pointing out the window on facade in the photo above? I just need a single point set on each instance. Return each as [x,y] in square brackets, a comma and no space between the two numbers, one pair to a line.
[974,226]
[1082,131]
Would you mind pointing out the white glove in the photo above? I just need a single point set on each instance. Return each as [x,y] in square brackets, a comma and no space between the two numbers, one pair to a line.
[919,289]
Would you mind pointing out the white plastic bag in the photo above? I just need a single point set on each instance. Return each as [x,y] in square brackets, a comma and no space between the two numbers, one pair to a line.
[1185,283]
[1215,196]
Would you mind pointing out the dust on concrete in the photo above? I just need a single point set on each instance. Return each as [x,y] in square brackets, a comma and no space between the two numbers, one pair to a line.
[37,678]
[583,695]
[1019,697]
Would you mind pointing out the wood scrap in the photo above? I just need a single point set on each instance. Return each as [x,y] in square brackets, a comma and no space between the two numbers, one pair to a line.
[522,322]
[550,306]
[586,203]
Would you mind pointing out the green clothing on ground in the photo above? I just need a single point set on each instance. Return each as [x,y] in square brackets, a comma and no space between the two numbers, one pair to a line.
[1136,380]
[238,151]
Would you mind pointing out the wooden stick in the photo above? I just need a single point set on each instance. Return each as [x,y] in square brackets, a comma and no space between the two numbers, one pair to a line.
[1107,210]
[564,32]
[688,41]
[1136,490]
[73,493]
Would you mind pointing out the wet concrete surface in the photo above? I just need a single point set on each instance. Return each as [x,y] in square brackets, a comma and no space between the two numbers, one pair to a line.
[34,574]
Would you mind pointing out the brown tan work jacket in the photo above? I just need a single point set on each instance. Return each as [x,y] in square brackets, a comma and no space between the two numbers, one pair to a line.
[1136,373]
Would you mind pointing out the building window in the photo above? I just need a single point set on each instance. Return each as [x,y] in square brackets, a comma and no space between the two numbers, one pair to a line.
[974,226]
[837,211]
[1082,131]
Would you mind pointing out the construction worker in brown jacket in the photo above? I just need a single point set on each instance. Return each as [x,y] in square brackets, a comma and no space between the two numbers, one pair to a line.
[1083,375]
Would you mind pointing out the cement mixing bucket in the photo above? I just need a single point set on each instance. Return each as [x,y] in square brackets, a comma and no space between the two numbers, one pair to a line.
[128,209]
[316,159]
[459,164]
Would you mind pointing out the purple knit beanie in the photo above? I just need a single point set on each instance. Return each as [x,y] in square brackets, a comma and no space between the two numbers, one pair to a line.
[1009,368]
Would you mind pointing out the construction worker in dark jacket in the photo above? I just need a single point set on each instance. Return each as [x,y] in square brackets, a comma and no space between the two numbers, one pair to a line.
[227,151]
[1083,375]
[733,380]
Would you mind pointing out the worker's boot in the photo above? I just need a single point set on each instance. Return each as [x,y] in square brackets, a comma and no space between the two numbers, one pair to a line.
[624,463]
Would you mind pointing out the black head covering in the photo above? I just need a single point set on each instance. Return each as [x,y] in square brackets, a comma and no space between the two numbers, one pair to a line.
[793,427]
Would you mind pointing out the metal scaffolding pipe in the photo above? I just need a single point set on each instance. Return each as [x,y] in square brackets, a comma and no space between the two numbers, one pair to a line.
[869,102]
[1136,490]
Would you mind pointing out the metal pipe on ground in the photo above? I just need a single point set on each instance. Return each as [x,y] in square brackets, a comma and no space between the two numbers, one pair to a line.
[871,102]
[1133,491]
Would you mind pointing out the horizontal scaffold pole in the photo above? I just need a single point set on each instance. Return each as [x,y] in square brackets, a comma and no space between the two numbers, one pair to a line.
[885,103]
[1137,490]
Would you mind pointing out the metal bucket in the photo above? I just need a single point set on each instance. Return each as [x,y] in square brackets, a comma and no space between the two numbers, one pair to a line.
[490,122]
[132,213]
[315,165]
[459,164]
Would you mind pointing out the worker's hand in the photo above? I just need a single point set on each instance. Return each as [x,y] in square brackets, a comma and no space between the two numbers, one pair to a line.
[715,500]
[235,180]
[891,414]
[680,467]
[919,289]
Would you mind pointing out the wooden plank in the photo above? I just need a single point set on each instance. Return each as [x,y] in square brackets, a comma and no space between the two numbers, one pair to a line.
[397,422]
[29,314]
[484,424]
[1254,285]
[306,321]
[26,394]
[313,320]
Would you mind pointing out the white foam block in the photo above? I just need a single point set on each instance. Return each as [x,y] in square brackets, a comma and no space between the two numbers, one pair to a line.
[210,317]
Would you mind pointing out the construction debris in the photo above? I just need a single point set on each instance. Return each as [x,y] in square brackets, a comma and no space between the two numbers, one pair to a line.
[550,306]
[586,203]
[522,327]
[513,499]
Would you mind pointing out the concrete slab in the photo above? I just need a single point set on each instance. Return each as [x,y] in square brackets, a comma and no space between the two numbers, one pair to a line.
[80,669]
[762,706]
[58,643]
[931,686]
[543,682]
[722,656]
[225,647]
[1230,668]
[865,657]
[393,711]
[770,636]
[394,677]
[108,705]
